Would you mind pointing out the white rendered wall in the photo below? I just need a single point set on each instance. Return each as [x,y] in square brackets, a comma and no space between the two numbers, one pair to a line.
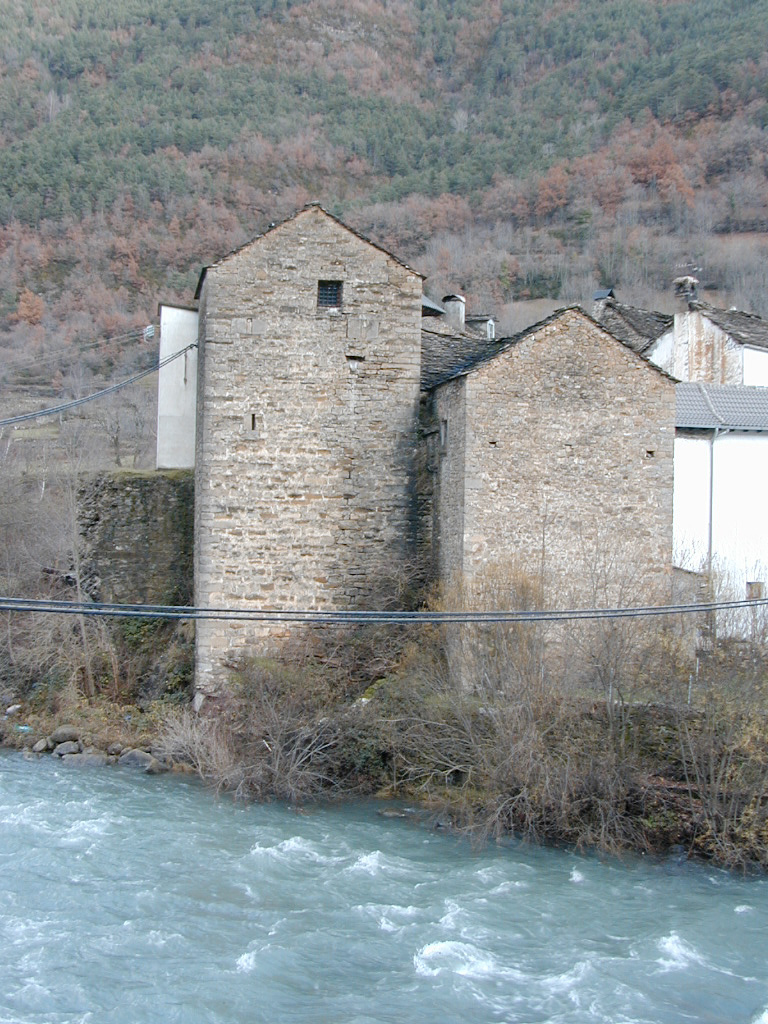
[690,503]
[739,503]
[756,367]
[177,390]
[662,353]
[739,536]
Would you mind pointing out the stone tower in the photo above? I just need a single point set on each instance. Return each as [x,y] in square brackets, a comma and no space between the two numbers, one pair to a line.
[307,411]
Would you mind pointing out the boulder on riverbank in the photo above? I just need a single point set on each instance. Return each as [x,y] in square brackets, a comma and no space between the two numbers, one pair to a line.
[89,758]
[136,758]
[64,734]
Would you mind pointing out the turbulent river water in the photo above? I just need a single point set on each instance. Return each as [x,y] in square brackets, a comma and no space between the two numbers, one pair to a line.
[133,898]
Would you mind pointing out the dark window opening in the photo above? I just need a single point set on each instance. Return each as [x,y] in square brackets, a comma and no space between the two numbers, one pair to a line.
[328,294]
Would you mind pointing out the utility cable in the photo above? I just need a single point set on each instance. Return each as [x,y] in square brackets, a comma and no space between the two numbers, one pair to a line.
[58,409]
[145,333]
[313,616]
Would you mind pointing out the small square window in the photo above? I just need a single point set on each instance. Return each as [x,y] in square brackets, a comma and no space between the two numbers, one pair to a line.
[329,294]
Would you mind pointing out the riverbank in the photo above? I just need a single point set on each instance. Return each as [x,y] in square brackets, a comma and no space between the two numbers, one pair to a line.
[93,734]
[660,780]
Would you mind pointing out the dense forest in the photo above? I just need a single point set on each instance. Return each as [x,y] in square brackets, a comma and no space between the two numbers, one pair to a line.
[513,149]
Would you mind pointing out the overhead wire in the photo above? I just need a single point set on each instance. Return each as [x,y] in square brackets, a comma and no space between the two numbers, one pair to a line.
[335,617]
[134,334]
[64,407]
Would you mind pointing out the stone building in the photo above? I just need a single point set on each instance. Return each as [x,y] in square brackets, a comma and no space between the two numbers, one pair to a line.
[349,430]
[552,448]
[307,420]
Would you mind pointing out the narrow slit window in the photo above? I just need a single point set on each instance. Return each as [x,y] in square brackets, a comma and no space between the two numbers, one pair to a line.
[329,294]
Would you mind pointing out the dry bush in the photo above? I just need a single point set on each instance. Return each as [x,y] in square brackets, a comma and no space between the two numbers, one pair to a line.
[282,731]
[600,737]
[722,730]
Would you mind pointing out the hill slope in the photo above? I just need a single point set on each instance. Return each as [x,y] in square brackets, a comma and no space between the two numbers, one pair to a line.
[512,148]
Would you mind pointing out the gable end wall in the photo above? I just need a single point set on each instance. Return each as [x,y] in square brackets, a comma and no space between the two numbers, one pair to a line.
[306,468]
[569,459]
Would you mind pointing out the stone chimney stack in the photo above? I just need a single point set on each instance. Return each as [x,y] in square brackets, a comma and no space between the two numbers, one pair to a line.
[686,288]
[455,310]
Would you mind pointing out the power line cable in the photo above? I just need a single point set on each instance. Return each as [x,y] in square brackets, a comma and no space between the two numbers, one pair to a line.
[145,333]
[313,616]
[58,409]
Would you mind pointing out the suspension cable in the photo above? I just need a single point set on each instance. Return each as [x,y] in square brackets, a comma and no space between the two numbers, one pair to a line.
[331,617]
[58,409]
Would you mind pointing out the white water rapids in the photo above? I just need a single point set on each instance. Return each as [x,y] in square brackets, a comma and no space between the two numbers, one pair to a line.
[130,899]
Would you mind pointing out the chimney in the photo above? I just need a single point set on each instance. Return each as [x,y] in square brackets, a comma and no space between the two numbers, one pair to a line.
[600,299]
[455,309]
[685,288]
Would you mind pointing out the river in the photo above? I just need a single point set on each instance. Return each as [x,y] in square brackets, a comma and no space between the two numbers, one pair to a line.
[137,899]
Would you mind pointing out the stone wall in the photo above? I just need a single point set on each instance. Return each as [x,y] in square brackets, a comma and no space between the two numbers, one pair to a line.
[307,430]
[568,453]
[136,537]
[449,469]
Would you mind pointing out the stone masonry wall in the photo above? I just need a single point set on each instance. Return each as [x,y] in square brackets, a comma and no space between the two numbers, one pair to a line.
[569,461]
[448,466]
[136,537]
[307,429]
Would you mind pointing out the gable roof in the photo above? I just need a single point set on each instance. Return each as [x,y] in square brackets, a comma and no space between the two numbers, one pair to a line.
[637,328]
[457,356]
[720,406]
[743,328]
[294,216]
[444,355]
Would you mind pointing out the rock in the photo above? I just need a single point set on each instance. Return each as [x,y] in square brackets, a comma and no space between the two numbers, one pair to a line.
[65,734]
[115,749]
[68,747]
[40,747]
[141,759]
[91,759]
[13,710]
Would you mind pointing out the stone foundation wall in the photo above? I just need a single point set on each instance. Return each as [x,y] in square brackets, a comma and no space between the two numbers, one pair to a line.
[136,534]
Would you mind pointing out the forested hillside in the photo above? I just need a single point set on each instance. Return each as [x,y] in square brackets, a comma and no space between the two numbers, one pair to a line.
[510,148]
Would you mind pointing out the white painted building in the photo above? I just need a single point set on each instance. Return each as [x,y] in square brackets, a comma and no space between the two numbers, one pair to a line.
[716,346]
[721,485]
[177,388]
[700,343]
